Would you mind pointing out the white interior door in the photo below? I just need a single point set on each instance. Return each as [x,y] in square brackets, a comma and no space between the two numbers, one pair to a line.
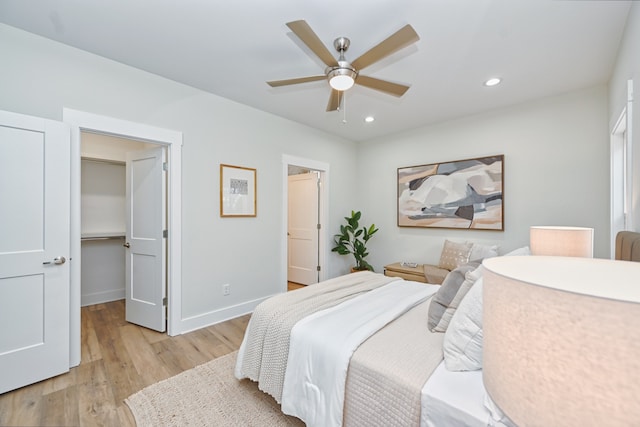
[34,247]
[302,230]
[145,277]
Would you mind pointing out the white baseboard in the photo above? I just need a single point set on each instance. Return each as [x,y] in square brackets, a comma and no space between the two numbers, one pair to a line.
[101,297]
[211,318]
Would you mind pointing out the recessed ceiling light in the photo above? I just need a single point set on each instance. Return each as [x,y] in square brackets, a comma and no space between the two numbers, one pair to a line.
[492,82]
[369,119]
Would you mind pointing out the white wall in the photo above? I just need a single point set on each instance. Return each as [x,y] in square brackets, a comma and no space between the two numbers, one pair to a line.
[556,165]
[102,198]
[628,68]
[39,77]
[556,172]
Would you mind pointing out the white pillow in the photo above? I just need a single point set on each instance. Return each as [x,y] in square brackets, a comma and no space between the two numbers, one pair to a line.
[479,251]
[519,252]
[462,345]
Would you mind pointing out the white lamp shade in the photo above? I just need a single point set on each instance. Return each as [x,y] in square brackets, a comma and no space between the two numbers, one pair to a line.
[561,241]
[561,340]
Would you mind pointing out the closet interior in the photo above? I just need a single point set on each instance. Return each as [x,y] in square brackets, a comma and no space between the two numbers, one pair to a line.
[103,204]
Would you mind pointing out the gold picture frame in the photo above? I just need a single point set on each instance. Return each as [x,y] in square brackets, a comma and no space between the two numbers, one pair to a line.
[238,191]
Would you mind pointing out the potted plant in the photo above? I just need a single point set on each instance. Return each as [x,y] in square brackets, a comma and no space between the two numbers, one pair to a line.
[353,240]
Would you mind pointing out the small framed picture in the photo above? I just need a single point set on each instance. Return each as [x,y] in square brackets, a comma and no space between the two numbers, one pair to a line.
[238,191]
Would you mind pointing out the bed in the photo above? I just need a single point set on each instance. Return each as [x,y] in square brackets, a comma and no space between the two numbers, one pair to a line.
[379,379]
[360,350]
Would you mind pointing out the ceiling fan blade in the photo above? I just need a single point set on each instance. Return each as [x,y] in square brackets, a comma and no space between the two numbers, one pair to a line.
[335,99]
[286,82]
[401,38]
[306,34]
[385,86]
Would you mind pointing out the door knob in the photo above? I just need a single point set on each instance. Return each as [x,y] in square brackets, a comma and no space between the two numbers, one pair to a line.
[127,245]
[57,260]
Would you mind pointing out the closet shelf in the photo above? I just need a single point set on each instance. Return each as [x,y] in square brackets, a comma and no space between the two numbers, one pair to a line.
[103,236]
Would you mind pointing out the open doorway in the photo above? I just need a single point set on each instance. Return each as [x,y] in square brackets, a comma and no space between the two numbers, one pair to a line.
[303,226]
[123,216]
[305,208]
[86,122]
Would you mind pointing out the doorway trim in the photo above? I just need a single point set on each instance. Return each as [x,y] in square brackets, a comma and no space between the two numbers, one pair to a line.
[323,238]
[83,121]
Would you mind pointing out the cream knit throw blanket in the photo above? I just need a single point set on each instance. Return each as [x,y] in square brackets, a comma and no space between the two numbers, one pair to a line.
[265,348]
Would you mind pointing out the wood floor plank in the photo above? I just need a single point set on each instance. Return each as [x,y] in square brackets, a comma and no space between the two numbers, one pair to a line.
[208,344]
[58,383]
[117,312]
[241,322]
[228,333]
[89,345]
[22,407]
[125,417]
[144,358]
[60,408]
[96,403]
[152,336]
[172,355]
[196,354]
[119,367]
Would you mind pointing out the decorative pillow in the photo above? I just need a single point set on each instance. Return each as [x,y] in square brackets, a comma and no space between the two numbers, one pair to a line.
[479,252]
[445,302]
[462,346]
[454,254]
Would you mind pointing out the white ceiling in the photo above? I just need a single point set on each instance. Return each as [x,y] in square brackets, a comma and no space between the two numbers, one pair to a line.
[230,48]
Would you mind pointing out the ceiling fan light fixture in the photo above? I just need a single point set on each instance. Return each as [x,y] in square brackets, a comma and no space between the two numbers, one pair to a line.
[341,78]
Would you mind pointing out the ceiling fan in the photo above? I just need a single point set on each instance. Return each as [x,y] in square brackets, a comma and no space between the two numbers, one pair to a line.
[342,74]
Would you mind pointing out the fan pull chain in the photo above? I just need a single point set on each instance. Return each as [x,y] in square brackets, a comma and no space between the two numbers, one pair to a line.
[344,107]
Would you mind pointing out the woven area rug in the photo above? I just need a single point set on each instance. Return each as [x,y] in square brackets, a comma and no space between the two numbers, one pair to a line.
[207,395]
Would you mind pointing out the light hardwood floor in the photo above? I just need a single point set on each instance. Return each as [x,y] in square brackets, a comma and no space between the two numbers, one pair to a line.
[292,286]
[118,359]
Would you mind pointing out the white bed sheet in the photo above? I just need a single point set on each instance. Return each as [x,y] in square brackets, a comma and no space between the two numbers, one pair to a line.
[454,399]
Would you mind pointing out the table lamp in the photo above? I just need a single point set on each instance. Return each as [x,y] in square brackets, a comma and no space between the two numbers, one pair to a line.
[561,340]
[561,241]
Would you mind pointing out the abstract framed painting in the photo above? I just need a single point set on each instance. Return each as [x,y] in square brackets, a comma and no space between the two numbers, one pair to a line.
[463,194]
[237,191]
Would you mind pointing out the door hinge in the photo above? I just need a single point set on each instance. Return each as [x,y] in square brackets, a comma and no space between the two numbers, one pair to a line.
[319,226]
[165,233]
[165,166]
[165,301]
[318,268]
